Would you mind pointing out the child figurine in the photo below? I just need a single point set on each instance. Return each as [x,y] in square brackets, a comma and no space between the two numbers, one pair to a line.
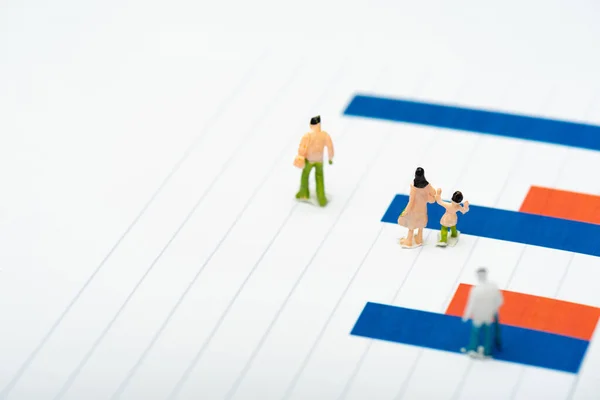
[310,154]
[485,300]
[414,215]
[449,219]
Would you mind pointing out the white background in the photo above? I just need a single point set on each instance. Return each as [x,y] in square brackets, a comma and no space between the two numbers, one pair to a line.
[122,120]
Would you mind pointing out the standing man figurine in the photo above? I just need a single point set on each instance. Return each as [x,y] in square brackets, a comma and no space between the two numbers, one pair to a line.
[310,154]
[485,299]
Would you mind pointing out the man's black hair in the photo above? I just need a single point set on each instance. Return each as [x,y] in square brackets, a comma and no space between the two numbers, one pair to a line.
[315,120]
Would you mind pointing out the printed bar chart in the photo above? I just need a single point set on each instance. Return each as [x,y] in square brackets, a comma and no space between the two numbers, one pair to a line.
[513,226]
[535,312]
[544,130]
[562,204]
[449,333]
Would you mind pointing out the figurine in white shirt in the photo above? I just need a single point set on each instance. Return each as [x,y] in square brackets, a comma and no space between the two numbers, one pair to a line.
[485,299]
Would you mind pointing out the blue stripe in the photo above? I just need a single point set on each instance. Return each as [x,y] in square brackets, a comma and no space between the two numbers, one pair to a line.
[449,333]
[512,226]
[480,121]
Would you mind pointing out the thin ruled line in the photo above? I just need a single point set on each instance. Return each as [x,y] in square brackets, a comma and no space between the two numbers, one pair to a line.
[523,369]
[163,326]
[355,371]
[565,160]
[359,364]
[406,381]
[342,212]
[521,150]
[476,241]
[342,296]
[463,379]
[404,387]
[28,361]
[206,192]
[515,389]
[587,114]
[186,374]
[564,275]
[514,167]
[306,359]
[514,271]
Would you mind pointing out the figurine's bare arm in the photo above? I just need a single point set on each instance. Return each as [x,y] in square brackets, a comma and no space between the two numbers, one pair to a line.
[465,208]
[442,203]
[329,145]
[438,199]
[303,148]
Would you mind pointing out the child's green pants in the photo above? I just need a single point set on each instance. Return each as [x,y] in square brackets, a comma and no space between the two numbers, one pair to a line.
[444,233]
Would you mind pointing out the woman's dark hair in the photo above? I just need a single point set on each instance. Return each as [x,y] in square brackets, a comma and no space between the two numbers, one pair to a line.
[420,181]
[457,197]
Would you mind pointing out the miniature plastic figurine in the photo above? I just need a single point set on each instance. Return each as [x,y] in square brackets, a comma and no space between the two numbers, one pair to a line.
[310,154]
[414,215]
[449,219]
[485,300]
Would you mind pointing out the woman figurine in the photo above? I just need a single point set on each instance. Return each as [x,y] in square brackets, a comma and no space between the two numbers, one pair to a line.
[414,215]
[449,219]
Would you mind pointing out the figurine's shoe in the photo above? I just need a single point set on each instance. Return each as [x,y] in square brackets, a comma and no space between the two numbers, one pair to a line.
[411,246]
[470,353]
[453,240]
[440,243]
[479,354]
[482,354]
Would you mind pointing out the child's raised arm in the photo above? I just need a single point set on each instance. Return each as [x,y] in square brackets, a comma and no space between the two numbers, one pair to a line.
[438,199]
[464,208]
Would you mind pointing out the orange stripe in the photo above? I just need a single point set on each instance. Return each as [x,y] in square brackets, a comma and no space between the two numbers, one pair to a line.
[538,313]
[562,204]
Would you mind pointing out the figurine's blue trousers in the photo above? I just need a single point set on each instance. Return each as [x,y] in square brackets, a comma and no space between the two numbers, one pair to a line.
[488,331]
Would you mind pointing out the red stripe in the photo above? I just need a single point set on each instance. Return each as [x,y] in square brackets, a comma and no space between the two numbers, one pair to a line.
[562,204]
[539,313]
